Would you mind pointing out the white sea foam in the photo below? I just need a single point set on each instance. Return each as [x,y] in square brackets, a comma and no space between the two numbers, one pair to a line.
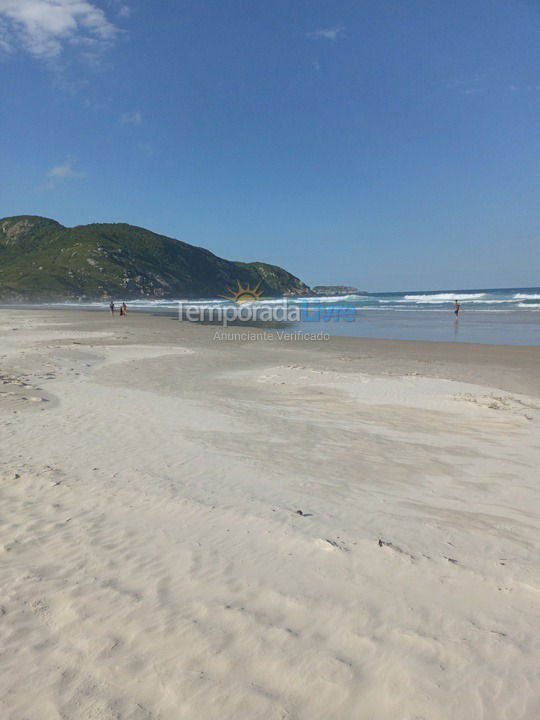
[326,298]
[480,302]
[445,302]
[441,297]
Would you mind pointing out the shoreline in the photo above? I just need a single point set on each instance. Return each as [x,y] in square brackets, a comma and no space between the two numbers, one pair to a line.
[477,327]
[512,367]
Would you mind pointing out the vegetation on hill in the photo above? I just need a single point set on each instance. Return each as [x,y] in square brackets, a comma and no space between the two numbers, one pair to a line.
[43,260]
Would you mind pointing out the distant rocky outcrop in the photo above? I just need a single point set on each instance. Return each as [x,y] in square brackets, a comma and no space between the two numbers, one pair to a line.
[40,259]
[337,290]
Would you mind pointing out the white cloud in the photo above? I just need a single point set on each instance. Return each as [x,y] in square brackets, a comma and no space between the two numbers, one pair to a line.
[65,171]
[44,27]
[133,118]
[124,11]
[331,33]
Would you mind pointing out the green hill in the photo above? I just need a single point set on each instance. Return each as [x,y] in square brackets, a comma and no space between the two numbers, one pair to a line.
[43,260]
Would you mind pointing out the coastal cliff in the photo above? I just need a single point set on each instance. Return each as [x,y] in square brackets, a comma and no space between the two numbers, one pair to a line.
[40,259]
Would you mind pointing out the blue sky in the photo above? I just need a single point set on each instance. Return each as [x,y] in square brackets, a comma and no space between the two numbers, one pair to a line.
[387,144]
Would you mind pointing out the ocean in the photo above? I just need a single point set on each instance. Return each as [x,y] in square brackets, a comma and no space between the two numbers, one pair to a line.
[506,316]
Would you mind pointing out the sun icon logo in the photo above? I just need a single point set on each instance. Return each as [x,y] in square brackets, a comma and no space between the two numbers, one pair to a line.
[244,294]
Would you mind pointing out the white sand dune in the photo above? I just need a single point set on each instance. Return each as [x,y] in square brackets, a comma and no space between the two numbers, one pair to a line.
[203,531]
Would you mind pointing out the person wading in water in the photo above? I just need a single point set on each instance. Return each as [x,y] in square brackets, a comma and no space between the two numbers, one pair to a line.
[123,309]
[456,308]
[111,307]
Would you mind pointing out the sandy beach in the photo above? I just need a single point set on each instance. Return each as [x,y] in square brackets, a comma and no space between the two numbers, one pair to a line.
[194,529]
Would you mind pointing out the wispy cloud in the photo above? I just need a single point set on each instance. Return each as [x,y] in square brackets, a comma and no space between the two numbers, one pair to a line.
[44,28]
[147,149]
[124,11]
[523,88]
[482,83]
[468,86]
[133,118]
[331,33]
[65,171]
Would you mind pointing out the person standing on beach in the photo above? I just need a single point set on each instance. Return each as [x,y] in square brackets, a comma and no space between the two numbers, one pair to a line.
[111,307]
[123,309]
[456,308]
